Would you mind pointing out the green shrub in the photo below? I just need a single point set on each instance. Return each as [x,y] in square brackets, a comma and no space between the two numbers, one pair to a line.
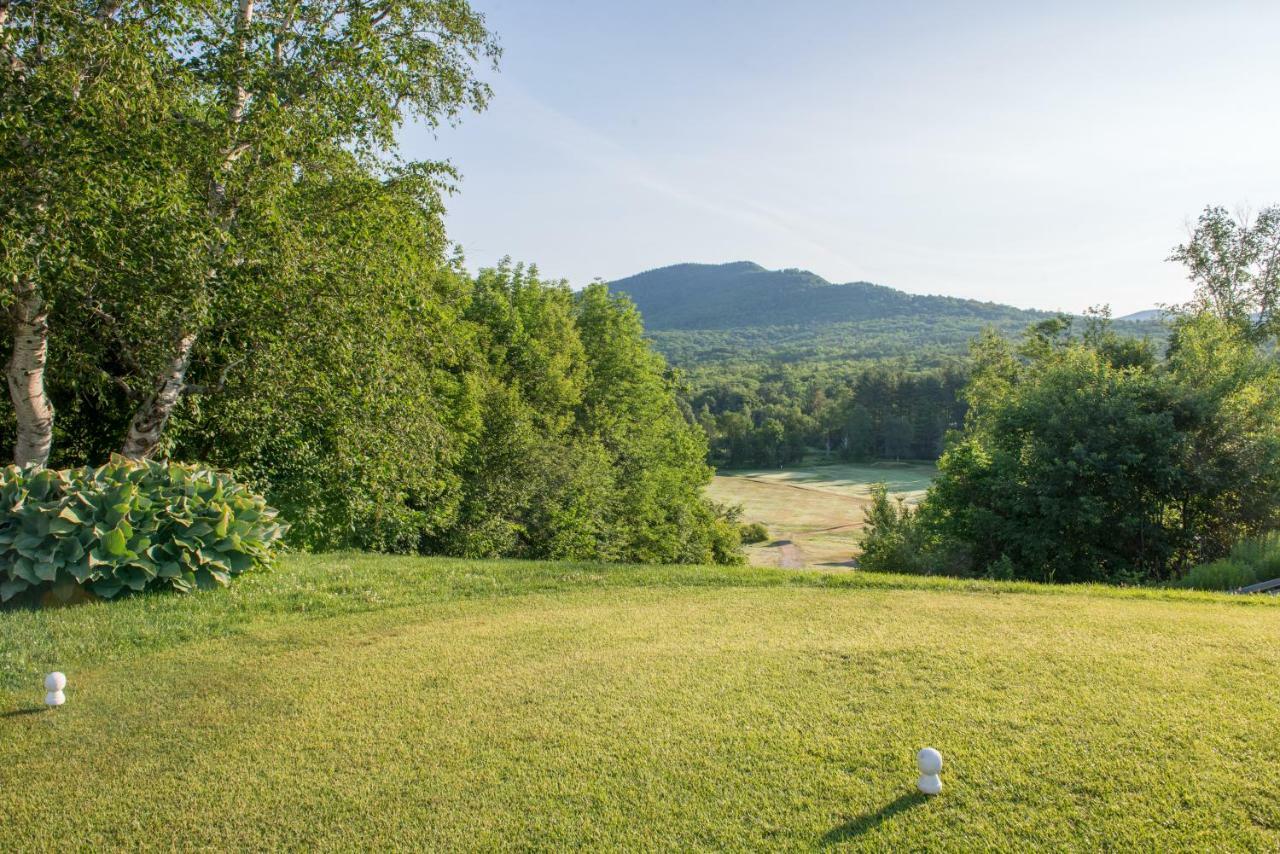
[1251,560]
[755,532]
[1001,570]
[129,525]
[892,540]
[1222,574]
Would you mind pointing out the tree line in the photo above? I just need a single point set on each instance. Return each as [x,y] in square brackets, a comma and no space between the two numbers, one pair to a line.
[211,250]
[776,414]
[1085,456]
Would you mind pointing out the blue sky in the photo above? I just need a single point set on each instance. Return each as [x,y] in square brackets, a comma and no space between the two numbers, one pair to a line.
[1039,154]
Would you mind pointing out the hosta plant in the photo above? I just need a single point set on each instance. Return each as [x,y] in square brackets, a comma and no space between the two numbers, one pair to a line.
[130,525]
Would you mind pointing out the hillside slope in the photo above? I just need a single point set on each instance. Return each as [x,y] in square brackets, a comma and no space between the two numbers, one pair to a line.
[711,314]
[744,294]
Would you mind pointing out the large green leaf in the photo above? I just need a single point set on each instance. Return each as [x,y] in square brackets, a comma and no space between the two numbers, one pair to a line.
[59,525]
[107,587]
[11,587]
[220,529]
[70,549]
[80,569]
[115,542]
[76,515]
[25,568]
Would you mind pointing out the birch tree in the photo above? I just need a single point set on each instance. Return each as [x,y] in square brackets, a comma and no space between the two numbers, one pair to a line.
[81,82]
[145,148]
[284,81]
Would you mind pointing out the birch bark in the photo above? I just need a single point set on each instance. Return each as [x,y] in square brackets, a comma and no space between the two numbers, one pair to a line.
[25,373]
[147,427]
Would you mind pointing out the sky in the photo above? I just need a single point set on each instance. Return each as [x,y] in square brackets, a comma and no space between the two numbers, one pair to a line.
[1041,155]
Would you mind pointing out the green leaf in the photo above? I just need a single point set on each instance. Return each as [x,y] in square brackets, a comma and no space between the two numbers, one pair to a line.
[74,515]
[133,577]
[11,587]
[115,542]
[107,587]
[81,569]
[25,569]
[58,525]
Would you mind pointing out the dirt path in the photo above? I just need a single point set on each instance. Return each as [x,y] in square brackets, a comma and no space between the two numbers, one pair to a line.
[790,556]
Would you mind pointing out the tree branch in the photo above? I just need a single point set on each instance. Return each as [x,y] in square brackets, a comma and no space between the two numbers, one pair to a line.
[197,388]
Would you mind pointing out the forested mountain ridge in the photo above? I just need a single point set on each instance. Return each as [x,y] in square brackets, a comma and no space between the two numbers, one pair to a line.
[744,294]
[700,314]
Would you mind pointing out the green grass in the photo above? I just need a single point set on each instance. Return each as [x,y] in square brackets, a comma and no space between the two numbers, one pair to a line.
[909,479]
[354,702]
[817,506]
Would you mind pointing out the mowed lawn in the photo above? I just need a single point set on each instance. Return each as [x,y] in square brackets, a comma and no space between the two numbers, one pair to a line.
[356,702]
[817,508]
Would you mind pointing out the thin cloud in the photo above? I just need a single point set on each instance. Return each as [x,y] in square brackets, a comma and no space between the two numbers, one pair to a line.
[532,116]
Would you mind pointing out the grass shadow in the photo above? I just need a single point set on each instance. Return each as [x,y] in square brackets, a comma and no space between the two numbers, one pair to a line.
[16,713]
[855,827]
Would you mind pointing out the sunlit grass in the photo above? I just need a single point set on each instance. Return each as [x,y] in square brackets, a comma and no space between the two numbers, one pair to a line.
[818,506]
[360,702]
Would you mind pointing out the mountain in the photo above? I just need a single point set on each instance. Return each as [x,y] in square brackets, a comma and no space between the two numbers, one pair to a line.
[740,312]
[1144,315]
[706,314]
[743,294]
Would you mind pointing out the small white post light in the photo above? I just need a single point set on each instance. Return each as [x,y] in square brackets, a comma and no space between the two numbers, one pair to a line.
[930,762]
[53,684]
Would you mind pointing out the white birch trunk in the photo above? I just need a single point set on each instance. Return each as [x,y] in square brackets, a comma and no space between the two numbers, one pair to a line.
[25,373]
[147,427]
[149,421]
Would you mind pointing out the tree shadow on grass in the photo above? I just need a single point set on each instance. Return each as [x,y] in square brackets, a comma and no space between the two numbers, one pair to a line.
[855,827]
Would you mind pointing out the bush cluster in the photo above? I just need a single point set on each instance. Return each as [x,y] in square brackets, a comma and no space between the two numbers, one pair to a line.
[1251,560]
[755,532]
[1086,458]
[130,525]
[893,539]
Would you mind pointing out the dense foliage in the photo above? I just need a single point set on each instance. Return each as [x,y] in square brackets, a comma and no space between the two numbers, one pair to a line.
[500,415]
[581,451]
[893,539]
[1084,458]
[782,363]
[775,414]
[211,251]
[1251,560]
[129,525]
[153,161]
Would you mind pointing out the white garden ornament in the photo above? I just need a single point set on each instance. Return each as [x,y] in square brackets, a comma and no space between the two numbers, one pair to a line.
[53,684]
[930,763]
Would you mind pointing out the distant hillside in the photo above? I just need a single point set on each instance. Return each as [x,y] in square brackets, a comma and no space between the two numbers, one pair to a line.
[744,294]
[1148,314]
[741,312]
